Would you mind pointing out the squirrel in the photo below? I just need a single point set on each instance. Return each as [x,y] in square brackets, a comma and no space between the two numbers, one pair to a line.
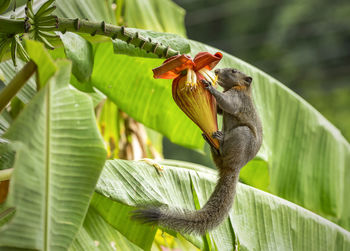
[239,140]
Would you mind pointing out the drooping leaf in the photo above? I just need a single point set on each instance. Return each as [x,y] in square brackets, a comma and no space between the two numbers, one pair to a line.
[59,53]
[56,169]
[81,53]
[260,220]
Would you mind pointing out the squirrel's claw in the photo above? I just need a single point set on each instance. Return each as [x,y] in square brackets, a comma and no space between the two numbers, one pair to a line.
[206,83]
[216,151]
[218,135]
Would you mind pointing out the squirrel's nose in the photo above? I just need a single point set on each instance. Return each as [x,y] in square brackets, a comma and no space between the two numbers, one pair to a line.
[217,71]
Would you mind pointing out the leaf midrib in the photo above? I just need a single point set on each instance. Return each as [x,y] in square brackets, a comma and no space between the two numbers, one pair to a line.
[47,166]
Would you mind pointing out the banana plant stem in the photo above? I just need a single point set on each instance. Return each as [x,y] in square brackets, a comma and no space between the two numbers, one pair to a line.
[127,35]
[16,84]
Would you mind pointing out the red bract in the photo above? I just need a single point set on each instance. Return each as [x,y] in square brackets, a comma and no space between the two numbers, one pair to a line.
[188,91]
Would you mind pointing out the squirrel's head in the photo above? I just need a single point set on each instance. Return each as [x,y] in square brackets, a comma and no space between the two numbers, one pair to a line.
[231,78]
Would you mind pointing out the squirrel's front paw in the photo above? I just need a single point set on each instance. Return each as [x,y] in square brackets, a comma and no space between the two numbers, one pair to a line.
[207,84]
[218,135]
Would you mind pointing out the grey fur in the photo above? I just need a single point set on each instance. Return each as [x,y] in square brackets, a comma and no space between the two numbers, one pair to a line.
[240,140]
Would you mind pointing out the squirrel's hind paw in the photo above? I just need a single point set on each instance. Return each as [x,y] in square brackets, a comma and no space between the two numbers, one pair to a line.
[216,151]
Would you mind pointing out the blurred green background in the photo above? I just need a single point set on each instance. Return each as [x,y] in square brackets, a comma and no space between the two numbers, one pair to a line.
[304,44]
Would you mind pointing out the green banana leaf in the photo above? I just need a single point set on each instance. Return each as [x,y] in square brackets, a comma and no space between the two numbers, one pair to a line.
[80,52]
[97,234]
[260,220]
[107,225]
[57,164]
[118,216]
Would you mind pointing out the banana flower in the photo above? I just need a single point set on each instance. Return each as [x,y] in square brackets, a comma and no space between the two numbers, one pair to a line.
[189,92]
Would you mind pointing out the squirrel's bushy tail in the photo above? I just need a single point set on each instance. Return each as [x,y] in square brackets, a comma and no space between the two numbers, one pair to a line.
[208,217]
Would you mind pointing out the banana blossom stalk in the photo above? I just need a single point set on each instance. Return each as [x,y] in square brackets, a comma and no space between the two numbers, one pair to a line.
[189,92]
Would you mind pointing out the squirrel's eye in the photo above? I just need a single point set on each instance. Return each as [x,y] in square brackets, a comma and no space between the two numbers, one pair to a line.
[234,71]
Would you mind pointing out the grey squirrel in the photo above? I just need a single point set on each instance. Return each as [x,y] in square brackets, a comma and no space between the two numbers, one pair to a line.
[240,140]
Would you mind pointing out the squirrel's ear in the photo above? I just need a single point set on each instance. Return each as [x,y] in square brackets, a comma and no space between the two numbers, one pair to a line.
[248,80]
